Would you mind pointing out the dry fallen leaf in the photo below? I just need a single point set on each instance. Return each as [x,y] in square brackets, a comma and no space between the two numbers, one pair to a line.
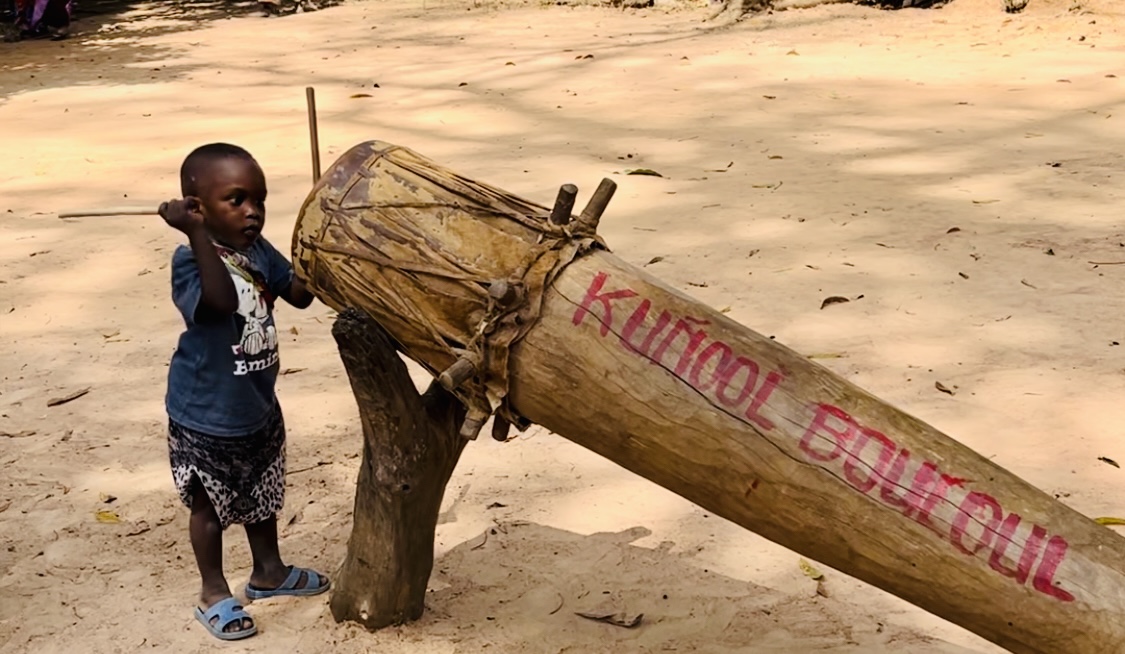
[138,529]
[621,619]
[108,517]
[643,171]
[984,201]
[1117,522]
[654,260]
[810,572]
[826,355]
[835,299]
[356,96]
[68,398]
[291,371]
[18,434]
[941,387]
[1106,459]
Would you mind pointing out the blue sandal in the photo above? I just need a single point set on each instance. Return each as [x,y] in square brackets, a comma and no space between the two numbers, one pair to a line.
[312,586]
[228,611]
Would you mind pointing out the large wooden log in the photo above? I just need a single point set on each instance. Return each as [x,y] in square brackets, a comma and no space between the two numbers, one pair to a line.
[611,358]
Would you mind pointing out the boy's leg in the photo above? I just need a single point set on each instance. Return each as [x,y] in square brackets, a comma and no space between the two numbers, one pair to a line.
[207,542]
[270,571]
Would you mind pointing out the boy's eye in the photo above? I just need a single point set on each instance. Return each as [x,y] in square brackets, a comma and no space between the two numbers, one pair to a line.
[237,199]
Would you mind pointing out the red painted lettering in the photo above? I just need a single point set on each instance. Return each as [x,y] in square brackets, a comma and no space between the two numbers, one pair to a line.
[708,353]
[918,490]
[594,294]
[839,435]
[864,482]
[726,376]
[974,508]
[1030,549]
[753,412]
[926,510]
[1044,581]
[635,321]
[695,339]
[910,500]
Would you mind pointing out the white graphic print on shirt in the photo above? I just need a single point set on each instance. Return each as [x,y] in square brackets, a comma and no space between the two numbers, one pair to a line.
[257,348]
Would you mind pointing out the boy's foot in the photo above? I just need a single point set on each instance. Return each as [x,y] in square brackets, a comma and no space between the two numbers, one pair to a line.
[297,581]
[226,620]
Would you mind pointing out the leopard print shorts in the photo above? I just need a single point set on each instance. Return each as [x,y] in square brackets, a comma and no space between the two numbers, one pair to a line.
[244,476]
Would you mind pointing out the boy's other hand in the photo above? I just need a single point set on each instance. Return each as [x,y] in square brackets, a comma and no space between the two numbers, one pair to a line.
[183,215]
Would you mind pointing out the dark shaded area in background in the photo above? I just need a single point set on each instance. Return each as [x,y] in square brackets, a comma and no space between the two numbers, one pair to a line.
[93,16]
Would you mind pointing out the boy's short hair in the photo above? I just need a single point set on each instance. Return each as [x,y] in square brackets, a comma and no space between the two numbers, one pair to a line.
[200,158]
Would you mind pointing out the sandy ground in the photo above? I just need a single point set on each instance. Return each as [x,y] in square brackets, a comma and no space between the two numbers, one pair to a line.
[819,152]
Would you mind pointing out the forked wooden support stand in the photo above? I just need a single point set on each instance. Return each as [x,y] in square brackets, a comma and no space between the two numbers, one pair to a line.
[410,447]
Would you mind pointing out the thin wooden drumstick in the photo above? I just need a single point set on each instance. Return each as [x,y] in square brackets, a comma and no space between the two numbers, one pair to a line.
[314,138]
[118,211]
[314,142]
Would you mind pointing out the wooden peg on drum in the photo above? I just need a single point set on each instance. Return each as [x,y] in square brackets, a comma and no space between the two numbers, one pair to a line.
[505,294]
[474,422]
[588,221]
[564,204]
[500,428]
[457,374]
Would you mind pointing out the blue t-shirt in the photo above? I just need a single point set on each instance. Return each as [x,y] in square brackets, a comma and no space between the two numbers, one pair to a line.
[222,375]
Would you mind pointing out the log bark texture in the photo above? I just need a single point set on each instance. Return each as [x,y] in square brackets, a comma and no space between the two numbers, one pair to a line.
[410,447]
[611,358]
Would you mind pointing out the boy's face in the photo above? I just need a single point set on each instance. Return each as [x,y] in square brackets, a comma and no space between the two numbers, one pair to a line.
[232,195]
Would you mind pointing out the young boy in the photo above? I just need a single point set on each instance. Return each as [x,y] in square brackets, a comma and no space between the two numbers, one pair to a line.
[226,435]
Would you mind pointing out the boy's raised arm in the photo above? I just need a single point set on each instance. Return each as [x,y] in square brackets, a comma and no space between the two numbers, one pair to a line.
[217,294]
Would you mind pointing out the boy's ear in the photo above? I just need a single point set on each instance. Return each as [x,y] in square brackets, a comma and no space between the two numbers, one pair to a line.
[193,204]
